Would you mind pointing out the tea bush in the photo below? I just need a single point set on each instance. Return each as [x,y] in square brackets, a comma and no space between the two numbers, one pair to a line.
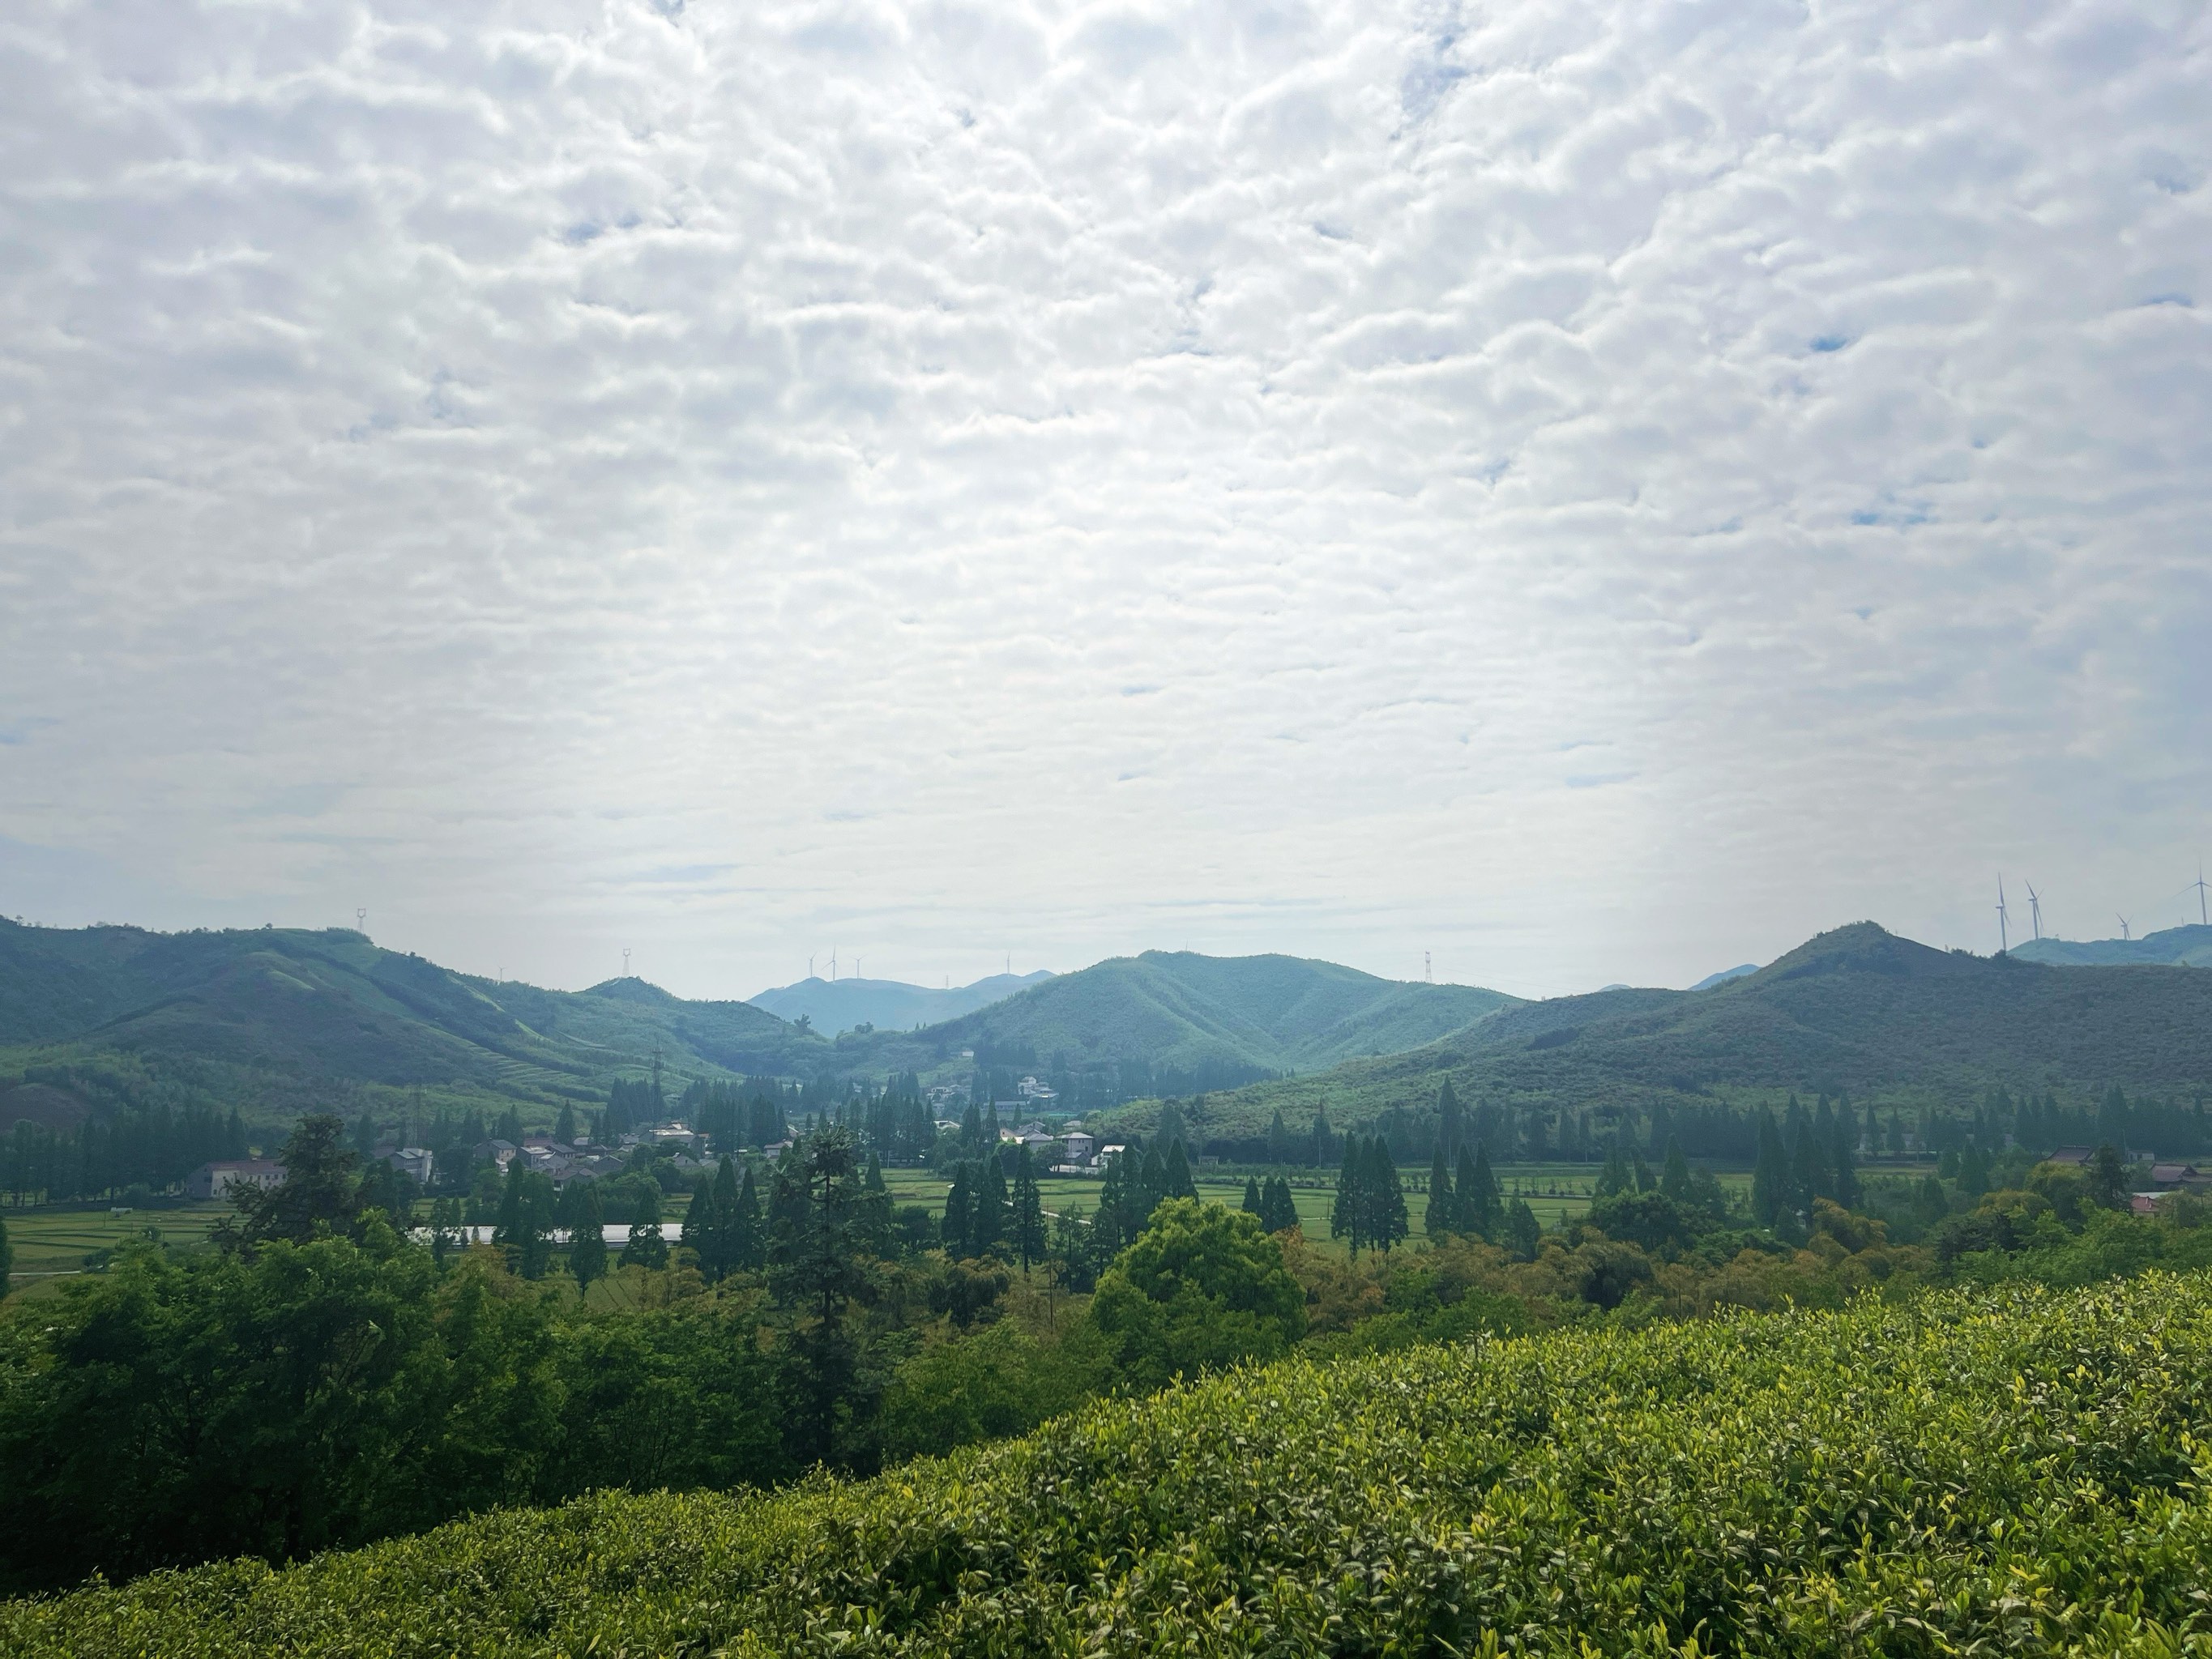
[2020,1470]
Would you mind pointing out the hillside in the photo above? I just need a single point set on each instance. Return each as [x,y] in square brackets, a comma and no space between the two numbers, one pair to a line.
[1857,1009]
[255,1015]
[839,1005]
[2004,1473]
[2172,947]
[1209,1022]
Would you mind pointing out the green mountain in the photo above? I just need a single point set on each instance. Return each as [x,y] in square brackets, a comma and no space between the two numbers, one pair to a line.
[266,1018]
[1210,1022]
[275,1019]
[1858,1010]
[2175,947]
[839,1005]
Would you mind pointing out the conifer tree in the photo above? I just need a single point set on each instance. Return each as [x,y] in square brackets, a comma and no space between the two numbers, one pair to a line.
[1675,1179]
[1481,1207]
[1615,1178]
[988,1211]
[1843,1155]
[874,1219]
[1449,1130]
[959,1206]
[587,1237]
[1113,1206]
[646,1247]
[7,1259]
[1640,1172]
[1522,1233]
[1251,1205]
[1176,1180]
[1028,1218]
[748,1242]
[1279,1139]
[719,1258]
[1770,1177]
[1151,1188]
[1346,1215]
[1387,1199]
[695,1235]
[1324,1139]
[1441,1214]
[1808,1175]
[1279,1211]
[1170,1128]
[507,1232]
[564,1127]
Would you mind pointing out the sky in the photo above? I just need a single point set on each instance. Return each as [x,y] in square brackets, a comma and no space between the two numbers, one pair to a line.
[1542,495]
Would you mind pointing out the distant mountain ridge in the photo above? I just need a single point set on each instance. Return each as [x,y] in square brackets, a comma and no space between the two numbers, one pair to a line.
[839,1005]
[2188,946]
[268,1013]
[274,1020]
[1228,1018]
[1857,1009]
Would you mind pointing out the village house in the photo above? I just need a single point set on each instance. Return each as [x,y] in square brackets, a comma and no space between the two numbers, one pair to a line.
[225,1175]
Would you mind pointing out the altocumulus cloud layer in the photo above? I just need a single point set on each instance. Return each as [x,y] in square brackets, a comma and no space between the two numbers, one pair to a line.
[1593,491]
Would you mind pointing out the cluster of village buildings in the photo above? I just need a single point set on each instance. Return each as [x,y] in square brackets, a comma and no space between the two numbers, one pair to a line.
[1070,1150]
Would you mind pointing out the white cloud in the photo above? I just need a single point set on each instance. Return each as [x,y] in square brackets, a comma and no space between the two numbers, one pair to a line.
[1595,492]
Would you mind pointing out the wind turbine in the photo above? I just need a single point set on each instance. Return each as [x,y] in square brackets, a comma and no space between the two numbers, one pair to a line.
[2124,933]
[2202,916]
[2004,940]
[2035,910]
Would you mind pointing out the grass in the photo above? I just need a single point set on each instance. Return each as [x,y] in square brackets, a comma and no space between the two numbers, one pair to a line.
[52,1244]
[1557,1193]
[2025,1472]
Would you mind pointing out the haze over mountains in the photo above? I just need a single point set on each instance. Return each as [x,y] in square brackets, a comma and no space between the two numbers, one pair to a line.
[839,1005]
[2189,947]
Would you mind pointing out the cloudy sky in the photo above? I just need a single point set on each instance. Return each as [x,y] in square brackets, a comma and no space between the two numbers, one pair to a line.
[1590,491]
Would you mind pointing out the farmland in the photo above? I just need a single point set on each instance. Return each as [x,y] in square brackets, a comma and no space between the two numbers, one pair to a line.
[2022,1471]
[52,1244]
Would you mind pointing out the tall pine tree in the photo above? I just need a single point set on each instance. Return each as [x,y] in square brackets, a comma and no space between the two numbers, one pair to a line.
[1770,1177]
[1441,1214]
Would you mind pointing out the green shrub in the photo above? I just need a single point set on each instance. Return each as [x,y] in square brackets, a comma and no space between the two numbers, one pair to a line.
[1201,1289]
[2024,1472]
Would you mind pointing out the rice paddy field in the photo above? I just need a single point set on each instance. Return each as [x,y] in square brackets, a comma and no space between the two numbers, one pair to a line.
[52,1244]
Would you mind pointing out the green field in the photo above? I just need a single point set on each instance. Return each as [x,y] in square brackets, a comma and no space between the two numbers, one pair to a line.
[1557,1193]
[2009,1473]
[53,1244]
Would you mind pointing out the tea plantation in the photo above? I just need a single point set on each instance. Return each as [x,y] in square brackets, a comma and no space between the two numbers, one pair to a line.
[2022,1473]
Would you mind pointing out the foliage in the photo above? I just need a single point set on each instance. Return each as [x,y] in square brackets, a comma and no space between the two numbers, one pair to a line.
[998,1382]
[2020,1473]
[1201,1289]
[1856,1011]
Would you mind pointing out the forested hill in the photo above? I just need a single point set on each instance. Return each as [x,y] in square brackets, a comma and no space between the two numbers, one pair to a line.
[839,1005]
[1857,1009]
[2175,947]
[1196,1021]
[257,1017]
